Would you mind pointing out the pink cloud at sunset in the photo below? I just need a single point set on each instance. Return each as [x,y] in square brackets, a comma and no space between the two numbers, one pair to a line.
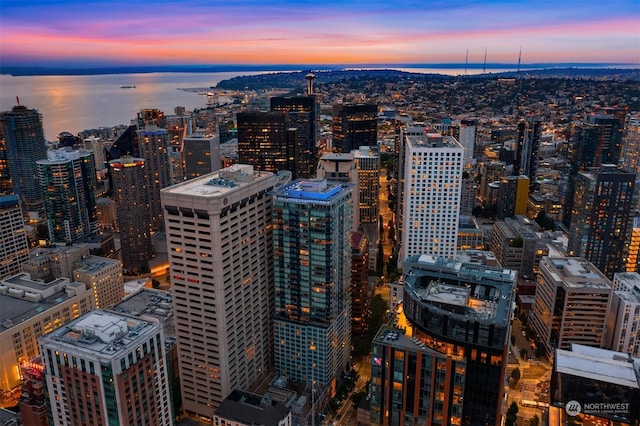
[248,32]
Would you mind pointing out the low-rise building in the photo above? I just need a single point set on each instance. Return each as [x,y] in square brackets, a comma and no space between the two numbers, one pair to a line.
[247,409]
[103,276]
[594,386]
[29,309]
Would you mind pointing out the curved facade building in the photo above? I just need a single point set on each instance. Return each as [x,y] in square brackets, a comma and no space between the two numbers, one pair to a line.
[459,312]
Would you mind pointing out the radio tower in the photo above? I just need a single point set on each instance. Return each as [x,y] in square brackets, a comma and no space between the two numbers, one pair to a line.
[484,66]
[466,62]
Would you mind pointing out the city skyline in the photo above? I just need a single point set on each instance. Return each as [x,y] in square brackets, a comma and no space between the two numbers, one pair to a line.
[102,33]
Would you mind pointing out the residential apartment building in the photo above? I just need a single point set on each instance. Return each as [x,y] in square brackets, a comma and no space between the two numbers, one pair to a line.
[107,369]
[450,367]
[571,304]
[14,249]
[22,143]
[68,180]
[516,244]
[312,258]
[600,218]
[432,180]
[134,215]
[624,316]
[103,276]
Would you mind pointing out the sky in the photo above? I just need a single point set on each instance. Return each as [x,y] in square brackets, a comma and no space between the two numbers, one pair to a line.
[142,32]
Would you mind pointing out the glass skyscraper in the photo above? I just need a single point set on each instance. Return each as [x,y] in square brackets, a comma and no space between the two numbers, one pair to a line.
[22,144]
[68,181]
[312,265]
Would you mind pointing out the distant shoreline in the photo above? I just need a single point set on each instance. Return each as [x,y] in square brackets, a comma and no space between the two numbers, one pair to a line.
[19,71]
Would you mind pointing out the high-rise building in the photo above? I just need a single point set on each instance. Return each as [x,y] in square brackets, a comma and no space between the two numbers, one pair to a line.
[68,181]
[354,125]
[583,154]
[624,317]
[633,248]
[303,113]
[360,292]
[432,180]
[527,156]
[450,367]
[517,246]
[571,303]
[265,141]
[312,258]
[368,165]
[29,310]
[584,146]
[107,369]
[611,130]
[467,137]
[150,117]
[406,374]
[492,172]
[154,147]
[14,246]
[600,219]
[155,305]
[631,145]
[201,155]
[134,216]
[594,386]
[219,239]
[341,167]
[22,142]
[96,147]
[512,196]
[468,194]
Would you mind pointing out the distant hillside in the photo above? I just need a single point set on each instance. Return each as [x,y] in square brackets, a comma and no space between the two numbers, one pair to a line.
[295,80]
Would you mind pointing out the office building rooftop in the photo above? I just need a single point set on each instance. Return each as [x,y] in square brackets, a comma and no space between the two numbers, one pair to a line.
[247,408]
[576,272]
[446,284]
[152,305]
[599,364]
[22,298]
[218,183]
[100,333]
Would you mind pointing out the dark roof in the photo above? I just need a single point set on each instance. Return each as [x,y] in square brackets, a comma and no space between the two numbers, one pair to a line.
[251,409]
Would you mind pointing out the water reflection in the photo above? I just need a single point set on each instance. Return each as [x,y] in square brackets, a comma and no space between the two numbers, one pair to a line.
[76,103]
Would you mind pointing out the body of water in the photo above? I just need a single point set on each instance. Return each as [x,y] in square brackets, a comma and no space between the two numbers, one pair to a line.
[77,103]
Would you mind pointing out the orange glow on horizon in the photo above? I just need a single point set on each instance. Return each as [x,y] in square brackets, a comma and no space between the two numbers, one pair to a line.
[360,44]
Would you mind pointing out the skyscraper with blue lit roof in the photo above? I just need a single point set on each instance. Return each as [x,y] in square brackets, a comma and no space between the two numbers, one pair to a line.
[312,265]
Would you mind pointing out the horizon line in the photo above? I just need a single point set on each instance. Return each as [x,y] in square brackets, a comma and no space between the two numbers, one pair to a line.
[504,67]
